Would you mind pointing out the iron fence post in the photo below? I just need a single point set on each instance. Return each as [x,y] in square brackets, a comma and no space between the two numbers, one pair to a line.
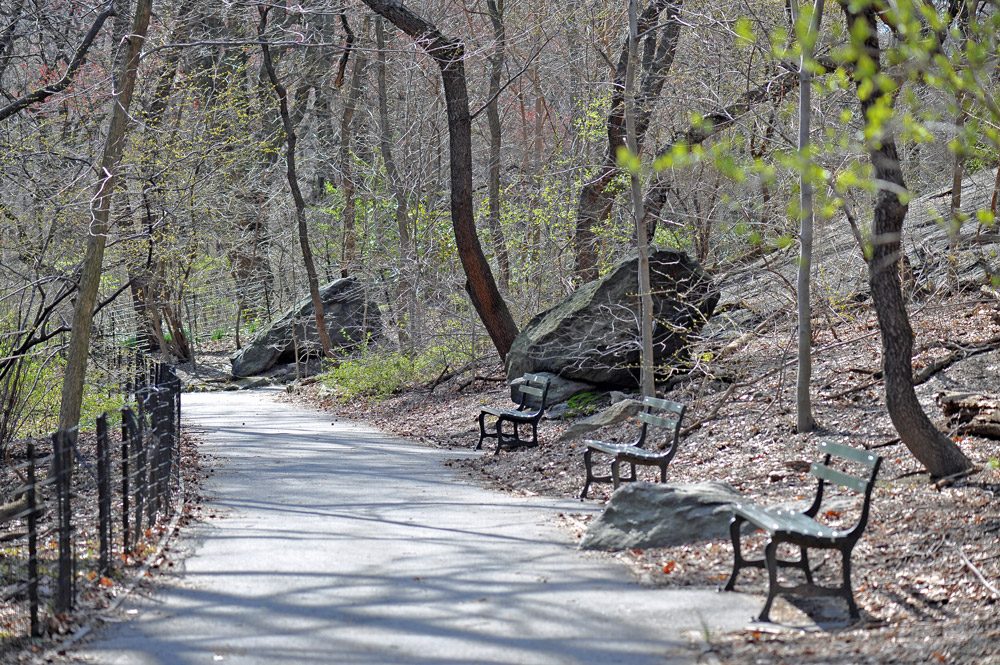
[64,586]
[103,497]
[125,484]
[32,544]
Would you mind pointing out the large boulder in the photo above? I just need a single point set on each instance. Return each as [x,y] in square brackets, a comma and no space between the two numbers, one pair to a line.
[642,515]
[349,318]
[593,335]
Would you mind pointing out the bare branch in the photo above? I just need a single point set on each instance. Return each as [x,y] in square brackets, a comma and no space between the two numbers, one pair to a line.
[41,94]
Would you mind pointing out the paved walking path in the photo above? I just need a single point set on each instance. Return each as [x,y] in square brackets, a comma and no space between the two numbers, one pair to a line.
[333,543]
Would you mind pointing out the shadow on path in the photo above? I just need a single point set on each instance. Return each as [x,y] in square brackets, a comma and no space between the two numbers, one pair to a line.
[332,543]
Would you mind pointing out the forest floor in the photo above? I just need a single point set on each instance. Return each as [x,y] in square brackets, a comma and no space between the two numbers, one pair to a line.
[927,570]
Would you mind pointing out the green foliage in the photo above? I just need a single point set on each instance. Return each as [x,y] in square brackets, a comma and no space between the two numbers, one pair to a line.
[628,160]
[744,32]
[583,404]
[218,334]
[378,372]
[371,374]
[42,391]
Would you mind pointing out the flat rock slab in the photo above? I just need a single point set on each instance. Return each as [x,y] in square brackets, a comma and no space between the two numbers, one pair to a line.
[618,412]
[332,543]
[642,515]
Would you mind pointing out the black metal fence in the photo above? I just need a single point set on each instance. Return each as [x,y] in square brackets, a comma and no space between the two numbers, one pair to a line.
[86,505]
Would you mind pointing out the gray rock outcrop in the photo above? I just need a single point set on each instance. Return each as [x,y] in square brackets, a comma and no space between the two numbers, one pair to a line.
[348,317]
[593,335]
[642,515]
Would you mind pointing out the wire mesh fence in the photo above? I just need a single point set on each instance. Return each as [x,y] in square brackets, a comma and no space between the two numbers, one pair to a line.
[85,505]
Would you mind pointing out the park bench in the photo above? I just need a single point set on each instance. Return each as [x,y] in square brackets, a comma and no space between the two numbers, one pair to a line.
[801,529]
[655,412]
[532,393]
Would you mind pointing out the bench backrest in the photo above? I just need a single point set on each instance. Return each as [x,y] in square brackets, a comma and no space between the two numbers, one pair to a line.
[534,390]
[861,484]
[661,413]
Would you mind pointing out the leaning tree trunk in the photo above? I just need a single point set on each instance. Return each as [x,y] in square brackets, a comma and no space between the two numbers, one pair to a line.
[711,126]
[100,210]
[929,445]
[449,56]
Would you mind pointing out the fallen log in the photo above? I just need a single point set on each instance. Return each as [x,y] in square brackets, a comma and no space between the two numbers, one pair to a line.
[972,413]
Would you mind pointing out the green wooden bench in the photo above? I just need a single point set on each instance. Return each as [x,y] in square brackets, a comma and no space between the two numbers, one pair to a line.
[802,529]
[655,412]
[532,393]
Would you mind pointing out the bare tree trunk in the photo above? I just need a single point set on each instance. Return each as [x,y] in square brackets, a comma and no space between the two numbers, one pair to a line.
[293,184]
[347,167]
[146,286]
[407,305]
[449,55]
[960,16]
[496,9]
[996,190]
[645,294]
[100,210]
[958,170]
[931,447]
[803,403]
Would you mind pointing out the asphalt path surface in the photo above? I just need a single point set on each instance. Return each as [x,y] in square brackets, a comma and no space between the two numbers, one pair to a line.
[334,543]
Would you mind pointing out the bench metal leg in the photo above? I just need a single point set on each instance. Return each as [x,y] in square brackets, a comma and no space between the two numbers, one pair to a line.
[738,561]
[804,560]
[771,559]
[852,608]
[482,430]
[512,440]
[587,462]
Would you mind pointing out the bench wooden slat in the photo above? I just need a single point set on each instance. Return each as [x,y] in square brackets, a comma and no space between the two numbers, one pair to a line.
[658,420]
[605,447]
[839,477]
[781,519]
[625,450]
[663,404]
[531,390]
[847,452]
